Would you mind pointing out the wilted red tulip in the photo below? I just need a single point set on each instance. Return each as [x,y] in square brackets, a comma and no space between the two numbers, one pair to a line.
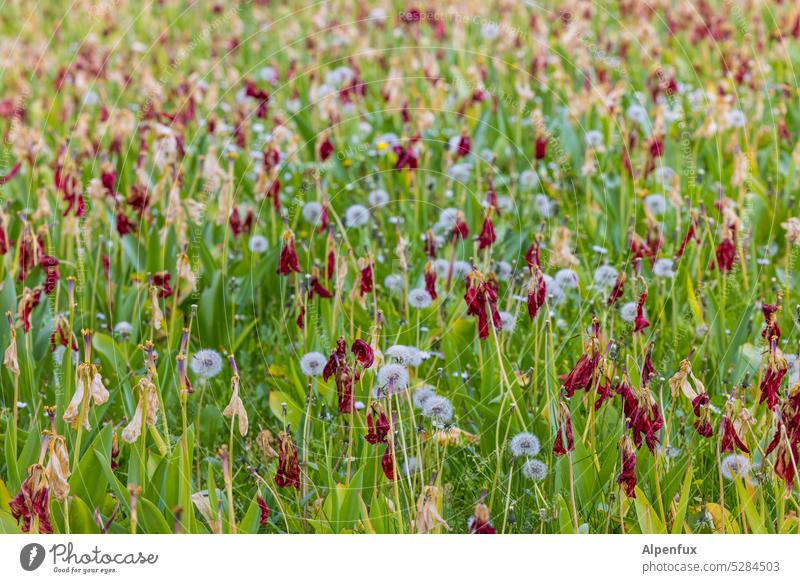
[565,439]
[263,509]
[378,426]
[363,353]
[31,505]
[627,476]
[730,438]
[387,462]
[640,322]
[430,280]
[488,235]
[289,261]
[582,375]
[771,383]
[288,475]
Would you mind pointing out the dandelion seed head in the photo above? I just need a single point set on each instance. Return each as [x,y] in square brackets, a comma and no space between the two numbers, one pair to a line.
[735,466]
[421,396]
[529,179]
[356,216]
[605,276]
[567,278]
[394,283]
[313,363]
[393,377]
[438,408]
[534,470]
[258,244]
[628,311]
[656,204]
[544,206]
[594,139]
[206,363]
[312,212]
[419,298]
[378,198]
[123,329]
[509,321]
[524,445]
[664,268]
[504,271]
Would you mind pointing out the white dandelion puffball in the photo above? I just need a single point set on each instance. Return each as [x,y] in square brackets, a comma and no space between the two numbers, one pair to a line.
[206,363]
[394,283]
[508,320]
[421,396]
[313,363]
[447,219]
[442,268]
[406,355]
[529,179]
[605,276]
[356,216]
[567,278]
[735,118]
[312,211]
[438,408]
[460,172]
[258,244]
[656,204]
[504,271]
[393,377]
[461,269]
[628,311]
[544,206]
[664,175]
[410,466]
[419,298]
[524,445]
[378,198]
[490,30]
[638,114]
[664,268]
[123,329]
[594,139]
[534,470]
[735,466]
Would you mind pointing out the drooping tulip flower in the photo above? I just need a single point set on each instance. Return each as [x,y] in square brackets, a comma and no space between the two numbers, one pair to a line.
[627,476]
[583,374]
[235,408]
[288,261]
[363,352]
[430,280]
[31,506]
[730,437]
[537,292]
[146,411]
[480,522]
[88,378]
[263,509]
[428,517]
[288,475]
[487,236]
[725,255]
[10,357]
[388,462]
[777,368]
[618,289]
[771,327]
[640,322]
[378,426]
[565,438]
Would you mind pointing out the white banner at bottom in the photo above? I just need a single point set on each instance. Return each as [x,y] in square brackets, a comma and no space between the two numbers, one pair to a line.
[388,558]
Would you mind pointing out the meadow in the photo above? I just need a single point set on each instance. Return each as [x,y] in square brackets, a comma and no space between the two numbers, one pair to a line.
[376,267]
